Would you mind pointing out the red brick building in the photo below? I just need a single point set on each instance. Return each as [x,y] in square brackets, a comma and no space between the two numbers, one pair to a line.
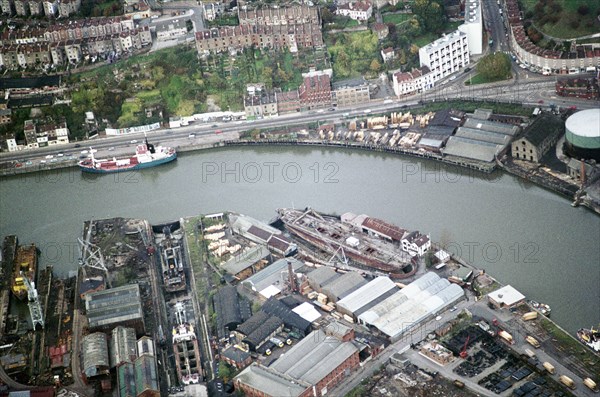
[315,91]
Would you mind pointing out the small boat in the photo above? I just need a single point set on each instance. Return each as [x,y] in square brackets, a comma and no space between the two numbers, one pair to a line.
[590,338]
[541,307]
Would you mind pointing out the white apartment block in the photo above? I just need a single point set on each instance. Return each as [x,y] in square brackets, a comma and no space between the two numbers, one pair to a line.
[473,26]
[446,55]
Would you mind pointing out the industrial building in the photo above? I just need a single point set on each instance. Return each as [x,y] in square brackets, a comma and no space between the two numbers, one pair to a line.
[146,378]
[227,307]
[145,345]
[248,262]
[481,139]
[583,135]
[367,296]
[290,319]
[116,306]
[418,301]
[272,280]
[343,286]
[122,346]
[255,331]
[540,136]
[95,356]
[236,357]
[321,276]
[506,297]
[312,367]
[126,380]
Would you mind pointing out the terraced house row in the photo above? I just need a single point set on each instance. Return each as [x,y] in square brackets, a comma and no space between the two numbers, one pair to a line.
[286,27]
[58,53]
[48,8]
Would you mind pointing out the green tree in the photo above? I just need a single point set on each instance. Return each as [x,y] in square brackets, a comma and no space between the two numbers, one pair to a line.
[430,14]
[375,66]
[224,371]
[494,66]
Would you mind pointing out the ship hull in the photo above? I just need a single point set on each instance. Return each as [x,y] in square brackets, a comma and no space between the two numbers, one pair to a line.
[91,169]
[361,259]
[25,266]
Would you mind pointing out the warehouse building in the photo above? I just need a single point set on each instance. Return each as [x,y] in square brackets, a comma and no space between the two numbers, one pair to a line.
[250,261]
[321,276]
[506,297]
[145,345]
[116,306]
[255,331]
[290,319]
[538,138]
[367,296]
[311,368]
[343,286]
[122,346]
[146,379]
[95,356]
[272,280]
[126,380]
[481,139]
[229,312]
[418,301]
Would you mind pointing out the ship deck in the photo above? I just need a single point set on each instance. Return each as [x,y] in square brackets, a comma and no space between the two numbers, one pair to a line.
[371,251]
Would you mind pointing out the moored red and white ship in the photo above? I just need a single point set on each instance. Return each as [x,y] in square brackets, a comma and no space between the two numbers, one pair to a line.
[146,155]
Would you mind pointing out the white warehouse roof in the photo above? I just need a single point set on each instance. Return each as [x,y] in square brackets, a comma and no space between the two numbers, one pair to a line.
[506,295]
[307,311]
[366,294]
[420,299]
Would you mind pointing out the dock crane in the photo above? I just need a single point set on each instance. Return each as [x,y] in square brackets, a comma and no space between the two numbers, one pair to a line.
[91,255]
[463,353]
[35,308]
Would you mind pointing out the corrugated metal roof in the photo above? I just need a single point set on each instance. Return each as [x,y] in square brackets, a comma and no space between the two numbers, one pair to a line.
[126,380]
[323,275]
[145,374]
[246,259]
[344,285]
[273,274]
[268,382]
[114,305]
[95,353]
[366,294]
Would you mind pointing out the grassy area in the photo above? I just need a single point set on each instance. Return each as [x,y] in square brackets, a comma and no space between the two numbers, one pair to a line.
[572,347]
[396,18]
[479,79]
[352,54]
[425,39]
[564,18]
[341,22]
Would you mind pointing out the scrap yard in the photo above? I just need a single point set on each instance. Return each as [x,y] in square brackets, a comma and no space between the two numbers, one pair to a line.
[223,303]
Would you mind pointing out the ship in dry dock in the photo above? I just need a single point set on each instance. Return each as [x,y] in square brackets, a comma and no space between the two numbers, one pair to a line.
[371,243]
[25,265]
[168,238]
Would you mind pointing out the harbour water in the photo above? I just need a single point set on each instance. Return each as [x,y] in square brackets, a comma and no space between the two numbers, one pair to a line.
[521,234]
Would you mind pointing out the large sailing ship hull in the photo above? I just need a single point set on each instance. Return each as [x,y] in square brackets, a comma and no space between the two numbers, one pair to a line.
[328,245]
[25,265]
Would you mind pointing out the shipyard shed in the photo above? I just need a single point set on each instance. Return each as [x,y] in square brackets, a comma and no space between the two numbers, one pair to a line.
[122,346]
[377,227]
[250,261]
[116,306]
[290,319]
[367,296]
[506,297]
[236,357]
[263,332]
[257,380]
[227,307]
[146,379]
[145,345]
[352,219]
[420,300]
[321,276]
[343,286]
[126,380]
[319,360]
[95,355]
[272,280]
[307,311]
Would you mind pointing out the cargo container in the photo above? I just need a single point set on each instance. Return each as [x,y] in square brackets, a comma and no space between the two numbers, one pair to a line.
[532,341]
[565,380]
[529,316]
[549,367]
[590,384]
[506,336]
